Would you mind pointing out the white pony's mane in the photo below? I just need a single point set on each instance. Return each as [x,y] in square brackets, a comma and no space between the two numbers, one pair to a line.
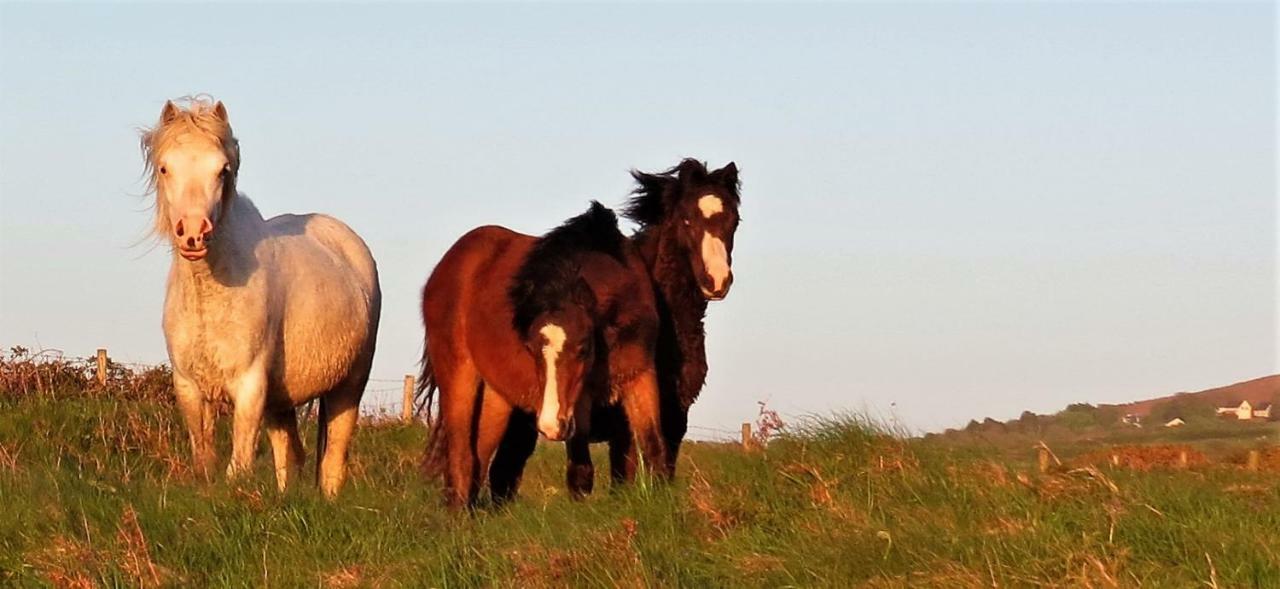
[192,115]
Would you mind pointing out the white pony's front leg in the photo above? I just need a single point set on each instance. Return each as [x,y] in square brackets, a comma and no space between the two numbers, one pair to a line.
[199,419]
[249,395]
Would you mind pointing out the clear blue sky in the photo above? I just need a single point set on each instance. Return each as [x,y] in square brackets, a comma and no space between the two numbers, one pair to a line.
[950,210]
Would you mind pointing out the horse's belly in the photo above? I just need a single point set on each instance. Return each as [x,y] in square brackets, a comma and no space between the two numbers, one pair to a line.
[321,351]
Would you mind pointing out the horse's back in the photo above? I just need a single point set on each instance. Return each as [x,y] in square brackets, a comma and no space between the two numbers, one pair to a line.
[332,305]
[467,265]
[334,237]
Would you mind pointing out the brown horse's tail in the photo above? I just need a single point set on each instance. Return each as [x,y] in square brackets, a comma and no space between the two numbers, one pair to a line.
[322,434]
[434,456]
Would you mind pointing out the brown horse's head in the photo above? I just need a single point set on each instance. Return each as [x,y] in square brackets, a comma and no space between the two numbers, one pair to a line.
[562,345]
[699,210]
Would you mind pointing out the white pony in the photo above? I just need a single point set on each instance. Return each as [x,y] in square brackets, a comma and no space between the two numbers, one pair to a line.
[270,313]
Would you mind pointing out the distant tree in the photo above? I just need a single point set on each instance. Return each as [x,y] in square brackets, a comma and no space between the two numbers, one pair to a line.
[1077,416]
[1190,409]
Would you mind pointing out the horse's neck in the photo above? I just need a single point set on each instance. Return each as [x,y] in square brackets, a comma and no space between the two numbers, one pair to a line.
[231,251]
[682,308]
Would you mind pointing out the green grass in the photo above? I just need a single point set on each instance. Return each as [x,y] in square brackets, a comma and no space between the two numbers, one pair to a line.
[96,492]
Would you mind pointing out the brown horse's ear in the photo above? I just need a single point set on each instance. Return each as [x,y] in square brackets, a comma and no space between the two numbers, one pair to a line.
[168,113]
[220,111]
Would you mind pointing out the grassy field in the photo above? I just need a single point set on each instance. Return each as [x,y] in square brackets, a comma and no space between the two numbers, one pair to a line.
[96,492]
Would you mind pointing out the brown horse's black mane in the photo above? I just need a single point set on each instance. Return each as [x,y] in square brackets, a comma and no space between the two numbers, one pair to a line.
[681,353]
[550,274]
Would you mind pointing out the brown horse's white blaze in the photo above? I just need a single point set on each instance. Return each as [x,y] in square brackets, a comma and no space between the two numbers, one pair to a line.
[550,420]
[715,256]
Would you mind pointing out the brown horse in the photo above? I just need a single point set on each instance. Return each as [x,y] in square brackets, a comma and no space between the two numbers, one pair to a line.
[516,328]
[688,217]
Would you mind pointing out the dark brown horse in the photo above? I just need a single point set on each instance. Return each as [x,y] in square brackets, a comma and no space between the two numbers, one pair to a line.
[688,217]
[516,328]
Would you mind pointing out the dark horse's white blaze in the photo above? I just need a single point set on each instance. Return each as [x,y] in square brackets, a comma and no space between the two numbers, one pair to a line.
[715,257]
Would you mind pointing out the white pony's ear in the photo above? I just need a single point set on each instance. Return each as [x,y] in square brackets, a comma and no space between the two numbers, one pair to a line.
[168,113]
[220,111]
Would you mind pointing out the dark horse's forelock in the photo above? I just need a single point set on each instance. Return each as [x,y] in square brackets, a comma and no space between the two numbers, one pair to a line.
[657,192]
[550,274]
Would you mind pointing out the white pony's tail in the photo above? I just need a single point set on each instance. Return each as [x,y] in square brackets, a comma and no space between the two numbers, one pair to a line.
[322,435]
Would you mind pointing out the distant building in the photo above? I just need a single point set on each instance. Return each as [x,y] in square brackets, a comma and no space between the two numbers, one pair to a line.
[1132,419]
[1246,411]
[1175,422]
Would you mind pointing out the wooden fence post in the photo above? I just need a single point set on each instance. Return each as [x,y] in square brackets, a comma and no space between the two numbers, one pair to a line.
[1182,459]
[1115,460]
[102,367]
[406,412]
[1042,458]
[1254,458]
[746,437]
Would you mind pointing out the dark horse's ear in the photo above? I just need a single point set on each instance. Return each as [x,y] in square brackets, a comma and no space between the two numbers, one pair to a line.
[220,111]
[168,113]
[728,173]
[692,171]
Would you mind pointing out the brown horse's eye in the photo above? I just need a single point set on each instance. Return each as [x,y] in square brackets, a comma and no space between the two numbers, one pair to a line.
[226,170]
[163,170]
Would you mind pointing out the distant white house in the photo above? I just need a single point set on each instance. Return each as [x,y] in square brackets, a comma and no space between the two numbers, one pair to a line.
[1246,411]
[1175,422]
[1132,419]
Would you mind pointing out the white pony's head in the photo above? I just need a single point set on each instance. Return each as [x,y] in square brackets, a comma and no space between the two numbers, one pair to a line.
[192,160]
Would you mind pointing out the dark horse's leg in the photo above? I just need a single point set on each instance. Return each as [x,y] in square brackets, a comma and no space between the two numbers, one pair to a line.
[675,423]
[508,464]
[581,475]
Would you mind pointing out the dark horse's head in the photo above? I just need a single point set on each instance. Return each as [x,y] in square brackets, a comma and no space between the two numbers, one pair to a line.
[554,313]
[700,210]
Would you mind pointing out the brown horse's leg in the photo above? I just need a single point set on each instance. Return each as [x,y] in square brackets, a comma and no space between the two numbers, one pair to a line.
[513,453]
[495,412]
[342,411]
[199,419]
[640,401]
[286,446]
[459,408]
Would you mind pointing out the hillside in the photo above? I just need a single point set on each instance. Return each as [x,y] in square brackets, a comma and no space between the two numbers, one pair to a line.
[1258,391]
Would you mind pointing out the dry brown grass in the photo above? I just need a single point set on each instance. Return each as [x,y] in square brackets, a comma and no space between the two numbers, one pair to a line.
[1143,457]
[134,556]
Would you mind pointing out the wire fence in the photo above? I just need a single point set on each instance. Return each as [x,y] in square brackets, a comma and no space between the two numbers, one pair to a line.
[52,371]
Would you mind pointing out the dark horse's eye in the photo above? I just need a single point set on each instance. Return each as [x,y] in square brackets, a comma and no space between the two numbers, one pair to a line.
[226,170]
[163,170]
